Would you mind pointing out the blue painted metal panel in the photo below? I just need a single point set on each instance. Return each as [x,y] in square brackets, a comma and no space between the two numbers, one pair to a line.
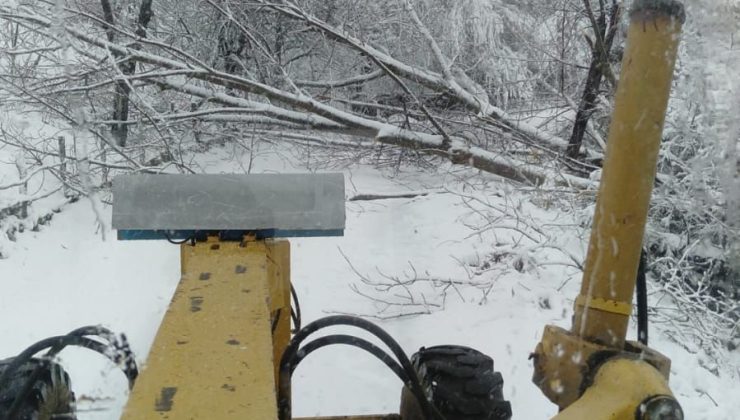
[228,235]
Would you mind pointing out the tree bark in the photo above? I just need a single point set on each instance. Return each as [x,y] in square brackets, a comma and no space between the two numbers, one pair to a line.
[598,69]
[121,102]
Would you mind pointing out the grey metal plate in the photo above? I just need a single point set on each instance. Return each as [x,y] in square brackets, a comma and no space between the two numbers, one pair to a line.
[287,202]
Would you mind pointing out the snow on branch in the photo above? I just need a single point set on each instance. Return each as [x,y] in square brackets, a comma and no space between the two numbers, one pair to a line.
[288,109]
[334,84]
[390,196]
[27,178]
[432,80]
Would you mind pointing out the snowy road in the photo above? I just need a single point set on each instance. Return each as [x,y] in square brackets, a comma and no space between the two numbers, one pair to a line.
[66,276]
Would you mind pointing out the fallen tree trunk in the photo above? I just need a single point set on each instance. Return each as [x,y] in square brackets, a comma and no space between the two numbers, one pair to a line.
[297,109]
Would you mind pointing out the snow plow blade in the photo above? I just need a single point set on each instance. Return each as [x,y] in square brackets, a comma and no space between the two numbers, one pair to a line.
[230,206]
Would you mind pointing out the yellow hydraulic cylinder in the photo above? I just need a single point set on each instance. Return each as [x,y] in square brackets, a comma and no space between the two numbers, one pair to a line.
[619,390]
[602,310]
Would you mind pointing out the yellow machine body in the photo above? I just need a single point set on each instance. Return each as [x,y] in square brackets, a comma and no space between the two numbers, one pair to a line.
[217,352]
[618,389]
[214,354]
[561,358]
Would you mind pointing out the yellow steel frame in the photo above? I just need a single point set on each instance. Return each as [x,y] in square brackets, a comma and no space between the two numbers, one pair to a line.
[278,270]
[215,353]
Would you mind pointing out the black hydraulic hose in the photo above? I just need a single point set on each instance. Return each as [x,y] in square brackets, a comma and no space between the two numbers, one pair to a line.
[175,242]
[351,341]
[287,360]
[121,354]
[642,304]
[297,306]
[97,330]
[31,379]
[55,342]
[58,342]
[116,350]
[275,321]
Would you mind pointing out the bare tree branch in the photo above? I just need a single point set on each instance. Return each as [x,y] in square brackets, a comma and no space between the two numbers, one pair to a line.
[334,84]
[486,111]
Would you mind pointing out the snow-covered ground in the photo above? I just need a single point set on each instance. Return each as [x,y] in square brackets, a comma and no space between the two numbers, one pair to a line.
[66,276]
[41,187]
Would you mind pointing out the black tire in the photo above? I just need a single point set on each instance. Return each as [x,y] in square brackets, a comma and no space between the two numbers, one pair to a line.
[461,384]
[49,394]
